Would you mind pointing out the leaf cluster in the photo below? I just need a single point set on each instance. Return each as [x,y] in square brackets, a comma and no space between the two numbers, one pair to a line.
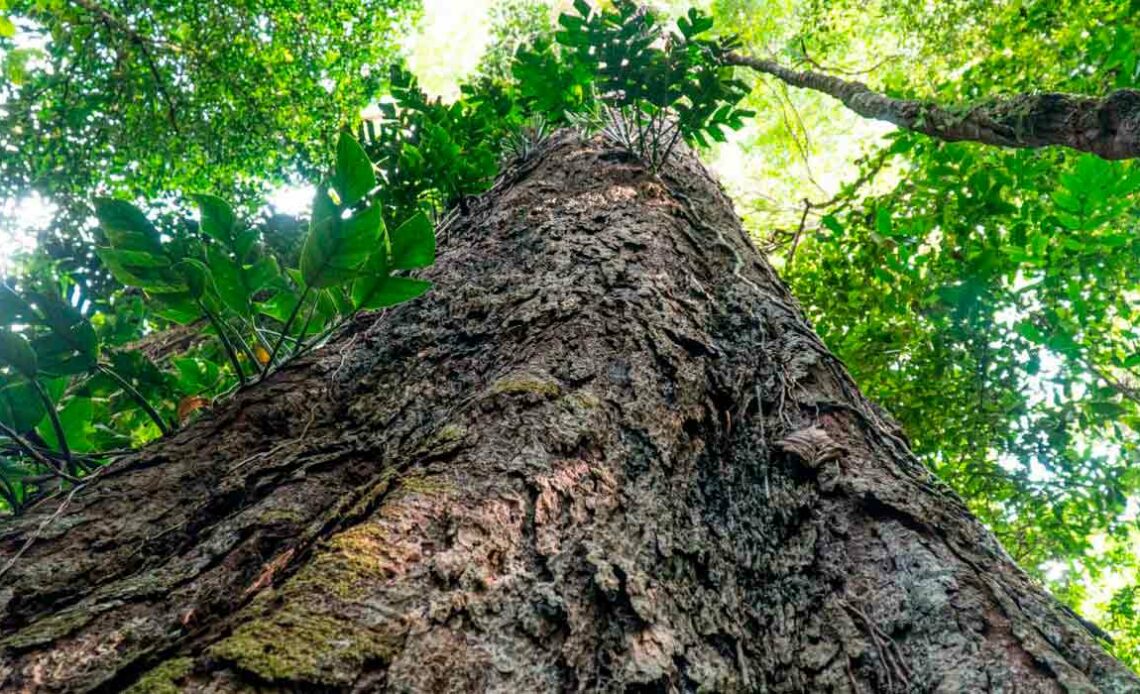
[60,377]
[644,85]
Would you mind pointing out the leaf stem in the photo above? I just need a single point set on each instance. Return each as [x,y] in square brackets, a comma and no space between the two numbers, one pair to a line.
[245,348]
[229,348]
[284,333]
[56,425]
[300,342]
[32,451]
[136,396]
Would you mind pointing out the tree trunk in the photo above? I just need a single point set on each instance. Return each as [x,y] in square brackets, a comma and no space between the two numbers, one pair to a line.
[606,452]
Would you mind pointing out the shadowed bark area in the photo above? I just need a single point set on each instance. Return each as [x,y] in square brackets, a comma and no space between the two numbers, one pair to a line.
[606,452]
[1108,127]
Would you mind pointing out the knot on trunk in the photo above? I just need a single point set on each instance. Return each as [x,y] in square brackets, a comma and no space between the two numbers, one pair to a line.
[813,445]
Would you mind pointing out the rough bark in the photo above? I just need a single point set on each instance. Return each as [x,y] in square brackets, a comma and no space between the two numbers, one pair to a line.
[1108,127]
[606,452]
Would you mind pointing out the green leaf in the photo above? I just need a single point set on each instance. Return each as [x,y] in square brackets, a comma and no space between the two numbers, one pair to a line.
[20,406]
[196,376]
[388,291]
[374,274]
[413,243]
[261,274]
[337,248]
[58,356]
[228,280]
[76,420]
[279,306]
[141,269]
[832,223]
[126,227]
[178,307]
[883,221]
[7,28]
[74,333]
[196,275]
[341,301]
[218,220]
[354,175]
[17,354]
[1030,332]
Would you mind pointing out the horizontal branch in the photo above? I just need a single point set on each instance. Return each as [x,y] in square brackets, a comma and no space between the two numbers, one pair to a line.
[1108,127]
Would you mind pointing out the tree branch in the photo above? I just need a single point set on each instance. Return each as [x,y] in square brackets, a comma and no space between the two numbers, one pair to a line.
[1108,127]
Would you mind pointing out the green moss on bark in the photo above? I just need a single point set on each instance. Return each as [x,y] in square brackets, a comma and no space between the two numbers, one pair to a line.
[164,678]
[295,644]
[524,383]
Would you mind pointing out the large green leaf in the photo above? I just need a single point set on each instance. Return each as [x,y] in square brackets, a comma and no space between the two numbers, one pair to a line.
[354,176]
[179,307]
[381,292]
[13,306]
[58,355]
[337,248]
[196,275]
[217,219]
[196,376]
[127,228]
[237,283]
[72,346]
[17,354]
[278,306]
[228,280]
[413,243]
[144,270]
[75,418]
[20,406]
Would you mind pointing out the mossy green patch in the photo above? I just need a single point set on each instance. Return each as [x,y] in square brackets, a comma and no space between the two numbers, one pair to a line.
[522,383]
[427,485]
[295,644]
[448,439]
[163,679]
[283,515]
[348,565]
[451,433]
[582,400]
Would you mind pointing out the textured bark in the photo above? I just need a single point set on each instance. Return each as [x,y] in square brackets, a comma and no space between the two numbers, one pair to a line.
[1108,127]
[606,452]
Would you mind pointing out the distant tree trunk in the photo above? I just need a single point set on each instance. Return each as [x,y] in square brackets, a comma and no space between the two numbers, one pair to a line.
[606,452]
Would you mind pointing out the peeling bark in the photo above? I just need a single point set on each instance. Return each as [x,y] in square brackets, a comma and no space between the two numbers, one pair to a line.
[606,452]
[1108,127]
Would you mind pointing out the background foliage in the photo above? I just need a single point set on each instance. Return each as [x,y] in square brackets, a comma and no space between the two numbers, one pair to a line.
[141,99]
[986,297]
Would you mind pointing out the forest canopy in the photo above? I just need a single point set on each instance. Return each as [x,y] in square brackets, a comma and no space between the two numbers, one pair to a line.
[985,293]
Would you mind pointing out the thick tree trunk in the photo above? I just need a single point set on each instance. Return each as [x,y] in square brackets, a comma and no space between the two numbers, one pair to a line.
[607,452]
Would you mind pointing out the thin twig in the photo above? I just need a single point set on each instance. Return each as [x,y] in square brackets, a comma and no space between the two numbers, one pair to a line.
[799,233]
